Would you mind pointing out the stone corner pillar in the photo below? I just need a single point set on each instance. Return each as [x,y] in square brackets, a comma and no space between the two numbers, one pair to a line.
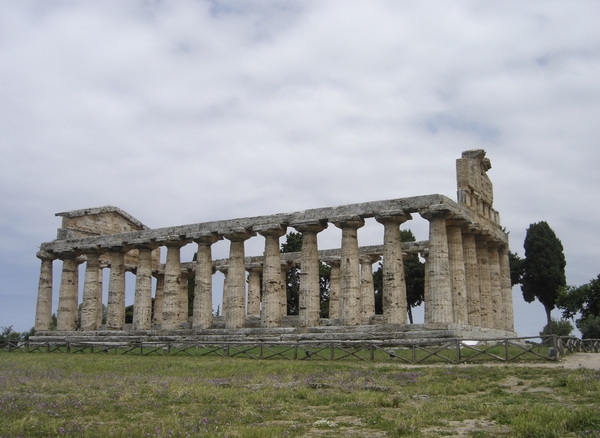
[43,310]
[172,286]
[485,283]
[203,287]
[471,276]
[457,272]
[272,300]
[66,317]
[394,284]
[506,288]
[349,270]
[498,317]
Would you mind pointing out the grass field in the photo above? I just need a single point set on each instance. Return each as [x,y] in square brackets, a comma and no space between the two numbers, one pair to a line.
[45,395]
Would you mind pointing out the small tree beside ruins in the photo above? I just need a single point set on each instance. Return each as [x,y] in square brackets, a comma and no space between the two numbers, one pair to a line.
[543,268]
[585,301]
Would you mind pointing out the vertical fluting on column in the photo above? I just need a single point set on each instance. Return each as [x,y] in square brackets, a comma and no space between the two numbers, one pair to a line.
[457,273]
[100,309]
[183,297]
[309,293]
[285,267]
[203,286]
[43,310]
[66,318]
[253,308]
[91,286]
[506,288]
[438,266]
[159,298]
[367,291]
[394,284]
[224,269]
[115,310]
[334,288]
[349,271]
[172,286]
[235,317]
[142,300]
[495,286]
[271,313]
[472,279]
[485,290]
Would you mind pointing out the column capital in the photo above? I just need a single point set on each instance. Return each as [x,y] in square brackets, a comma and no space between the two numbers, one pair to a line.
[207,238]
[46,255]
[72,254]
[370,258]
[310,226]
[254,267]
[436,211]
[348,222]
[332,261]
[122,248]
[276,230]
[238,234]
[394,217]
[173,241]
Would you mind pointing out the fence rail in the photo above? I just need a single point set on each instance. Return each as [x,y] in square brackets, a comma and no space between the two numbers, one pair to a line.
[451,351]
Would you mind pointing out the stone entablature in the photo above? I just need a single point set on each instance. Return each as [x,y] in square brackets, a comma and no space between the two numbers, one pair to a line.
[466,259]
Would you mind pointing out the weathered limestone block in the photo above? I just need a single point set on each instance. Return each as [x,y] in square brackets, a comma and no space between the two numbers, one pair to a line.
[367,290]
[66,318]
[495,287]
[254,272]
[485,287]
[350,270]
[457,274]
[115,310]
[235,316]
[271,312]
[334,288]
[91,287]
[43,311]
[439,298]
[142,300]
[159,298]
[203,287]
[394,284]
[309,294]
[472,278]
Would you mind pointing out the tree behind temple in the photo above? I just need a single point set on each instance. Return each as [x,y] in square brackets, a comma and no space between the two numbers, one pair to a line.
[543,267]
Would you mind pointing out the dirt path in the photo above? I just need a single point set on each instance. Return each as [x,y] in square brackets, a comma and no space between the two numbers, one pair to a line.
[580,360]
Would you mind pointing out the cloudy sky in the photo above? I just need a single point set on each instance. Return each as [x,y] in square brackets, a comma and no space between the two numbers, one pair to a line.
[190,111]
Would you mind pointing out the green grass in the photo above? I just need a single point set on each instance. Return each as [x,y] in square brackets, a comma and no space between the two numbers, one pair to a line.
[46,395]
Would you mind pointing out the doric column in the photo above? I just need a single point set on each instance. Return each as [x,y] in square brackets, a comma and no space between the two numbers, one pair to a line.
[100,308]
[203,287]
[334,288]
[367,291]
[142,300]
[426,289]
[43,310]
[159,298]
[235,317]
[224,269]
[309,302]
[349,270]
[438,266]
[172,287]
[485,288]
[394,284]
[91,288]
[457,273]
[183,297]
[66,318]
[254,272]
[472,278]
[271,311]
[495,286]
[285,267]
[506,288]
[115,310]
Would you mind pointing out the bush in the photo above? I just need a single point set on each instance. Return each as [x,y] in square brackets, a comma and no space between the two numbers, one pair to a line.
[559,328]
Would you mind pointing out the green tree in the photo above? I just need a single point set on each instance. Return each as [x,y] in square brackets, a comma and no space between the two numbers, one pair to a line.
[414,276]
[585,301]
[517,268]
[543,267]
[559,327]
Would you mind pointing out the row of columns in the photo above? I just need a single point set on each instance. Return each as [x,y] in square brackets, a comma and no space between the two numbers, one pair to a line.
[467,280]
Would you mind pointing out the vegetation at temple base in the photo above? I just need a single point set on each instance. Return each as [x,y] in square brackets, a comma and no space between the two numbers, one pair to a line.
[8,334]
[543,267]
[84,395]
[584,301]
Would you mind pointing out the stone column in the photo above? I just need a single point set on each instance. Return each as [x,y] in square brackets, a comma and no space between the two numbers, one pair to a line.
[485,288]
[225,271]
[496,292]
[271,299]
[254,272]
[235,317]
[457,273]
[115,311]
[394,284]
[309,302]
[66,318]
[334,288]
[367,291]
[142,300]
[506,289]
[183,297]
[426,289]
[92,289]
[472,279]
[172,287]
[158,298]
[349,271]
[285,267]
[203,287]
[43,310]
[438,266]
[99,310]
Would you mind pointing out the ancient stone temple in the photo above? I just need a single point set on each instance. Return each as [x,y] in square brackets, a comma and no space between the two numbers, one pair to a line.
[467,278]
